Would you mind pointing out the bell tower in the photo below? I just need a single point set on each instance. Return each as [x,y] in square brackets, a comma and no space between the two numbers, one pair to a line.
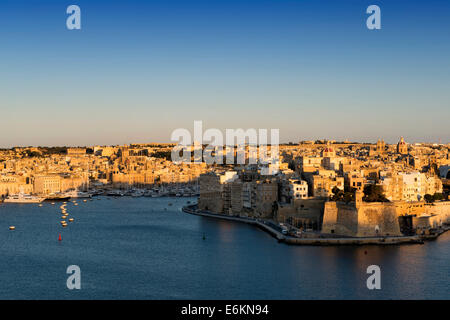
[380,146]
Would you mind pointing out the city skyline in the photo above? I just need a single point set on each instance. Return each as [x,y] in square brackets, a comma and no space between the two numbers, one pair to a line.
[135,72]
[318,141]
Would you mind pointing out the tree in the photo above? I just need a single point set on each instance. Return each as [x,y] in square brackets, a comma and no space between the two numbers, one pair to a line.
[291,165]
[338,194]
[438,197]
[162,155]
[348,195]
[428,198]
[374,193]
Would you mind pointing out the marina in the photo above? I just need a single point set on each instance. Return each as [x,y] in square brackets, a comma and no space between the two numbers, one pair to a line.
[155,192]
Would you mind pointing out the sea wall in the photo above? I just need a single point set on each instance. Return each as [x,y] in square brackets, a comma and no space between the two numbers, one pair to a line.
[368,220]
[304,210]
[433,215]
[439,209]
[375,219]
[317,241]
[340,219]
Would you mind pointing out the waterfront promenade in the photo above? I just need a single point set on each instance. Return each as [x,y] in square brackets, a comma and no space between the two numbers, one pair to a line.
[275,231]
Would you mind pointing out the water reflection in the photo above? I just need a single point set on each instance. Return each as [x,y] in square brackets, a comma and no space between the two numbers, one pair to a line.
[144,249]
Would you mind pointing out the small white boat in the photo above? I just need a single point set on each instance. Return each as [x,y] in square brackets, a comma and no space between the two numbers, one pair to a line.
[23,198]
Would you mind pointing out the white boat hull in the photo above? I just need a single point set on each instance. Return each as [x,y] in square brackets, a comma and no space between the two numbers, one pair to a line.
[37,200]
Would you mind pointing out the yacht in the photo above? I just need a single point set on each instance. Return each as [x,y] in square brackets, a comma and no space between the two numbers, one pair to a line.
[78,194]
[148,193]
[137,194]
[58,196]
[115,193]
[23,198]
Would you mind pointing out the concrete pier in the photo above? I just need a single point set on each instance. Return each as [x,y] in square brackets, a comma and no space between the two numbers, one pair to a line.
[308,241]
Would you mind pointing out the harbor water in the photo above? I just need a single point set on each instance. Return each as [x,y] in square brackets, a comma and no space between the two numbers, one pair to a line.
[145,248]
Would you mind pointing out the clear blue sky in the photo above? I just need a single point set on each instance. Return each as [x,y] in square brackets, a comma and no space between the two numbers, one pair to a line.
[140,69]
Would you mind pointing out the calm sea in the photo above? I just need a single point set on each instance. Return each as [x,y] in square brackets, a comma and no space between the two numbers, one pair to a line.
[143,248]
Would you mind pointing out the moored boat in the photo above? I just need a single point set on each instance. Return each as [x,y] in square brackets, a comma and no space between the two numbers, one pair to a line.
[57,197]
[23,198]
[78,194]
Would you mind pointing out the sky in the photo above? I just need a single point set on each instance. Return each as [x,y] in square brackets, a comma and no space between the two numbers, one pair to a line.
[138,70]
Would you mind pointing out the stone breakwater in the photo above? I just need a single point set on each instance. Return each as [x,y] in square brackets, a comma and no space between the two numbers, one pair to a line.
[319,241]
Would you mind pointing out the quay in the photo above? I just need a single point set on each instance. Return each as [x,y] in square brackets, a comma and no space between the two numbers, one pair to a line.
[321,240]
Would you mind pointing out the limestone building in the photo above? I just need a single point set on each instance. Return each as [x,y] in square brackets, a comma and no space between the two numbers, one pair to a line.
[214,192]
[402,147]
